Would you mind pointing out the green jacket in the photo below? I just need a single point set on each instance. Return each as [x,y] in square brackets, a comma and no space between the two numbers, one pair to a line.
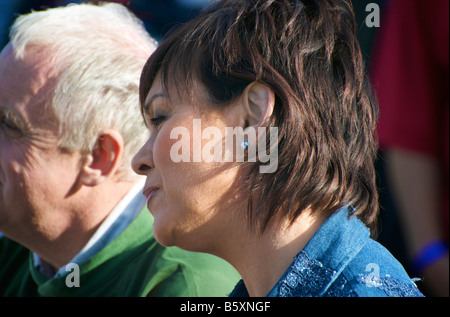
[133,264]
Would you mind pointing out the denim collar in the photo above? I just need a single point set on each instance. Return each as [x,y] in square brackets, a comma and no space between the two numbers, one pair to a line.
[338,240]
[325,256]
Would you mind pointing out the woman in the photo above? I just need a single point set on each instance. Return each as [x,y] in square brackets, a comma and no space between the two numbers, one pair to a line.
[301,226]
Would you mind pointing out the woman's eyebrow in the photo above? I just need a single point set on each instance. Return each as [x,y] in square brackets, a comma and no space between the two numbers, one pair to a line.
[149,101]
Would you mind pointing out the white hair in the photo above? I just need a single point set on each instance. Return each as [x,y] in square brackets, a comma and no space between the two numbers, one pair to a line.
[98,52]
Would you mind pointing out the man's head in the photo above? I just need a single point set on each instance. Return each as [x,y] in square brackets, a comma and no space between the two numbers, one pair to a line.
[68,107]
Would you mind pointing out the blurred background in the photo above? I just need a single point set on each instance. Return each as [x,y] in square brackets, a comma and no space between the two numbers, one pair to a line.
[406,48]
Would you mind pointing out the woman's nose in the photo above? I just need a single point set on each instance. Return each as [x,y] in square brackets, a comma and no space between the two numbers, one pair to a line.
[143,160]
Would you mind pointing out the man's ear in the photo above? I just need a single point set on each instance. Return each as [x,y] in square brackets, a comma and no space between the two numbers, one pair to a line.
[259,101]
[104,160]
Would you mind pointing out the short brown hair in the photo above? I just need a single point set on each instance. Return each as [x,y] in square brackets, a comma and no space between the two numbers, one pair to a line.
[308,54]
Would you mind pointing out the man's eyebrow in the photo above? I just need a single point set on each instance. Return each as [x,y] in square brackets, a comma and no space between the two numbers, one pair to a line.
[11,115]
[150,100]
[14,118]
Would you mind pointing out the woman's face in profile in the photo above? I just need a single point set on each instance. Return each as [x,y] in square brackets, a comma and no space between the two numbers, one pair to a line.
[189,194]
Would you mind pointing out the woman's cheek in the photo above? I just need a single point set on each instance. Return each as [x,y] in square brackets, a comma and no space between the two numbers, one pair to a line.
[161,148]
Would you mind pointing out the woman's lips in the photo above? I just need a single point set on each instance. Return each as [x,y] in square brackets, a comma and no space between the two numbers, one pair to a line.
[150,192]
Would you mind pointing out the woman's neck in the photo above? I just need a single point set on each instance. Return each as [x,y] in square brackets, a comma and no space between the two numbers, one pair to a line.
[262,259]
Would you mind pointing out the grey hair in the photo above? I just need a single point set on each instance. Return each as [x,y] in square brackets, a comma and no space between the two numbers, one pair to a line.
[98,52]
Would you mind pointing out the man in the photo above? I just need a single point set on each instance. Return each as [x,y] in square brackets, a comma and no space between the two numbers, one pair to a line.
[71,210]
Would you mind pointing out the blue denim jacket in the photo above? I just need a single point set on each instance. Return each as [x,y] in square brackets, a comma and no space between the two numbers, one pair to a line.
[341,260]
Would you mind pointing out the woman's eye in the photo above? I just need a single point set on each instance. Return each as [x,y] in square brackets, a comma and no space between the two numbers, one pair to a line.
[157,121]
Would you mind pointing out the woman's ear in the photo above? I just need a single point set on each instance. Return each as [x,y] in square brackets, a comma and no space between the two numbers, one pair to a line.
[259,101]
[104,160]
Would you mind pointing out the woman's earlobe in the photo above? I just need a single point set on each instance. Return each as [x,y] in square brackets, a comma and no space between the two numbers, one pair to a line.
[246,124]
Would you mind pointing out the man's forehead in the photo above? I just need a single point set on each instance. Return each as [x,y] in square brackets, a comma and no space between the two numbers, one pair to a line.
[28,71]
[25,84]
